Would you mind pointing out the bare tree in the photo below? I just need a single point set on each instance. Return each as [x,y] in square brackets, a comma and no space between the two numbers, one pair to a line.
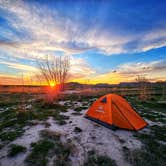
[55,70]
[163,93]
[143,90]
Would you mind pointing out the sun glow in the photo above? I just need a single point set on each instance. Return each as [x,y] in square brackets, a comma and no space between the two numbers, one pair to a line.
[52,84]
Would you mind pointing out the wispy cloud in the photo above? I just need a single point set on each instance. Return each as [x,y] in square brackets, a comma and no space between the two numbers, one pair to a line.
[80,69]
[33,31]
[42,30]
[19,66]
[7,79]
[153,71]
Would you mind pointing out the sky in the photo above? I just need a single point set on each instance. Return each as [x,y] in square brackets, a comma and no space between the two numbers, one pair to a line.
[108,41]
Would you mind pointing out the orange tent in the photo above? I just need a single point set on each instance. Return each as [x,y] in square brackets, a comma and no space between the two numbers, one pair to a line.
[114,110]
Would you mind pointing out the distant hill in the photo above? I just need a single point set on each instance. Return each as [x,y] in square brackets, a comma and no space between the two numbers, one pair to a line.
[76,85]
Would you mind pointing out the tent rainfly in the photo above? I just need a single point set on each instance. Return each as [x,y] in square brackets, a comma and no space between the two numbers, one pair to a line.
[114,110]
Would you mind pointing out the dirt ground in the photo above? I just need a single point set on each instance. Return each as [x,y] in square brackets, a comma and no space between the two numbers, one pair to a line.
[85,136]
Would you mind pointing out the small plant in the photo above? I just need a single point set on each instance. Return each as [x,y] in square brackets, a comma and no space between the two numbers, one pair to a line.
[97,160]
[15,149]
[10,136]
[39,153]
[76,113]
[44,111]
[47,124]
[61,119]
[121,140]
[51,135]
[79,109]
[77,130]
[1,146]
[152,153]
[56,106]
[63,151]
[49,147]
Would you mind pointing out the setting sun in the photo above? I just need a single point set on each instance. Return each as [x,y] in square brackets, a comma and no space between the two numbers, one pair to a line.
[52,84]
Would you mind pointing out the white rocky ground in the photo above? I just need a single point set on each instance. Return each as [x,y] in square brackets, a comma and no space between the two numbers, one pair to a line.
[93,137]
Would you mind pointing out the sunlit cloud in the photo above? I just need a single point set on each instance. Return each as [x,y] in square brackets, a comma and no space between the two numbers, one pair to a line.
[46,30]
[19,66]
[7,79]
[35,31]
[153,71]
[78,69]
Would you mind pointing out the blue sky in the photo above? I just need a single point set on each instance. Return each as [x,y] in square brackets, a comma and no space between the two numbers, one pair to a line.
[108,40]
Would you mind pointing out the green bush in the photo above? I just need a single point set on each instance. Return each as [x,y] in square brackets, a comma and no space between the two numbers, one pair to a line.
[77,130]
[97,160]
[49,147]
[15,149]
[10,136]
[38,156]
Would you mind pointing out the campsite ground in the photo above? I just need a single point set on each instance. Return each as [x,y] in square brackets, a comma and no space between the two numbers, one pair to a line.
[33,132]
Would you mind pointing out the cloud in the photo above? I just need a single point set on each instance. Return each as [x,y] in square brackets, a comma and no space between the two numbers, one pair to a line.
[153,71]
[80,69]
[33,31]
[7,79]
[19,66]
[142,67]
[38,30]
[4,43]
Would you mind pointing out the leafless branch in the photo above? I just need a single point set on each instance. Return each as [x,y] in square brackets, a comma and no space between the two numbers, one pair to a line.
[55,69]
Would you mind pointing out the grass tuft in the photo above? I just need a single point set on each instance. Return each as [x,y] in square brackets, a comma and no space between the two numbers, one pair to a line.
[79,109]
[77,130]
[50,146]
[10,135]
[97,160]
[38,156]
[15,150]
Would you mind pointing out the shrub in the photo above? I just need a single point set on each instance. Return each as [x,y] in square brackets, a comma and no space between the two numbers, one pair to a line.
[77,130]
[97,160]
[50,146]
[38,156]
[9,136]
[15,149]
